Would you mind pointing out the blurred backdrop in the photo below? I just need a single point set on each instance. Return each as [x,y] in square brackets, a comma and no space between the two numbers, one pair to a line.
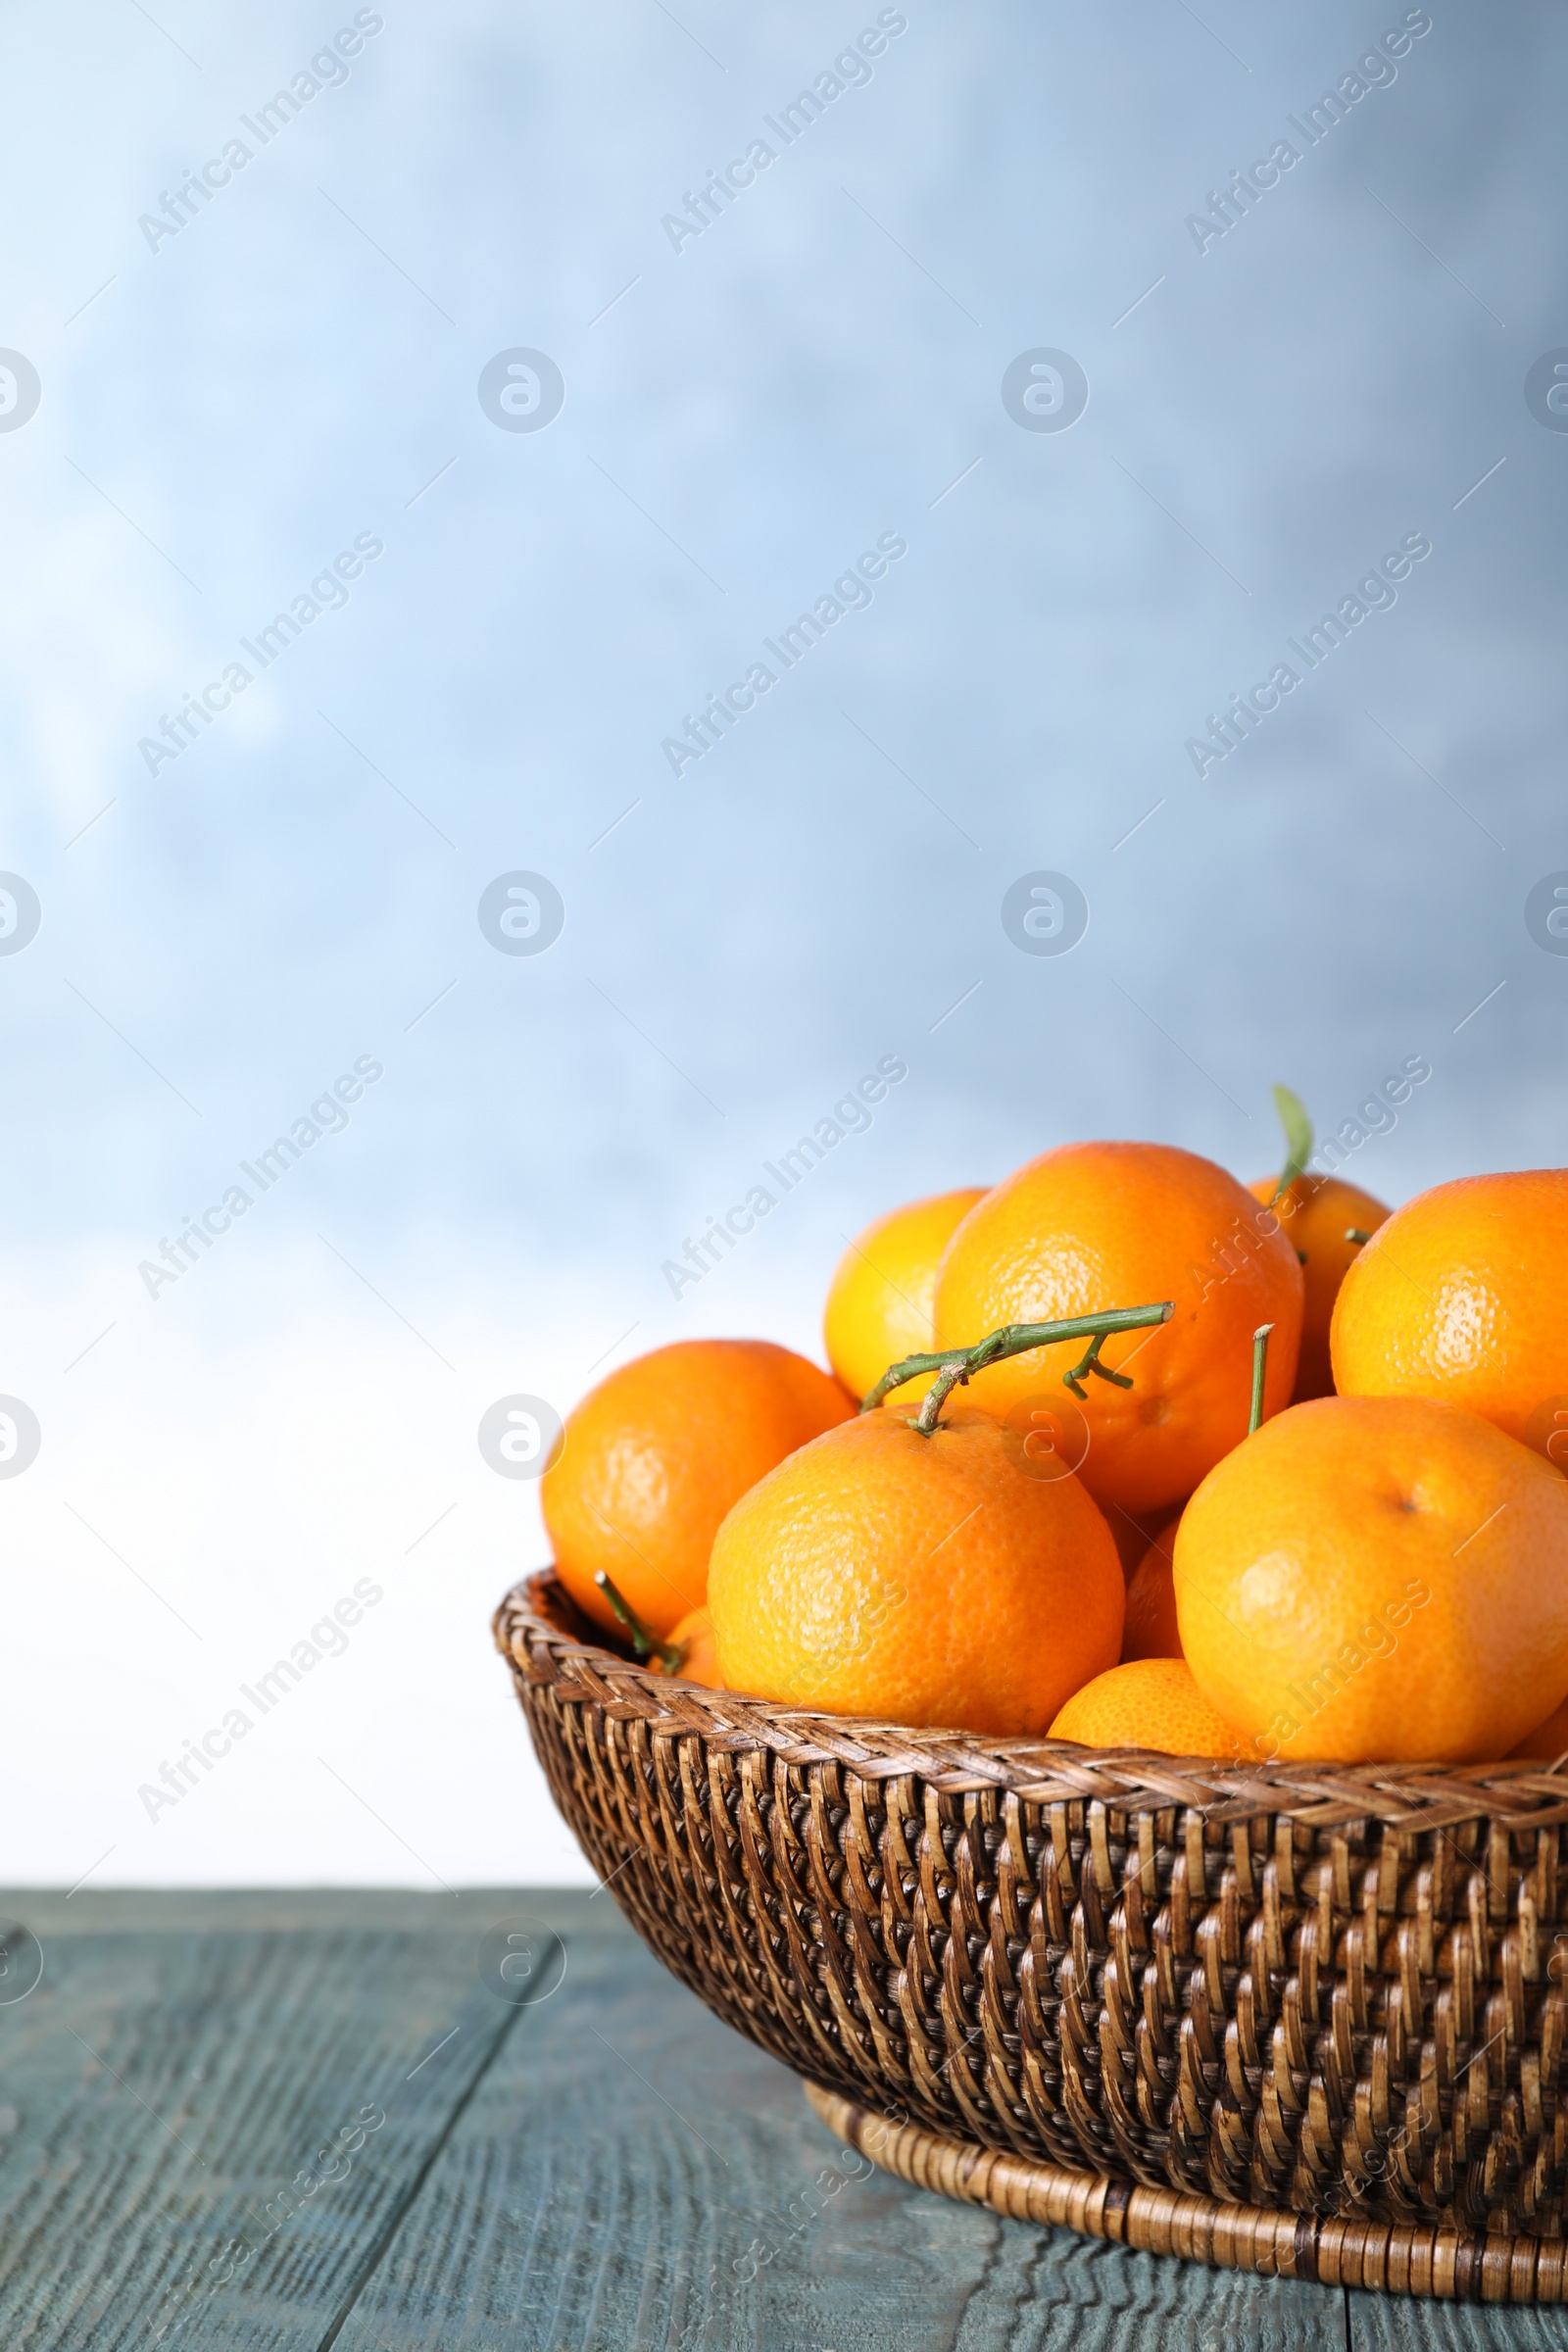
[410,420]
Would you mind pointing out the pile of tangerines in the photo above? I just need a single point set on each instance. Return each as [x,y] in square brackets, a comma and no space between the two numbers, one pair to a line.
[1124,1452]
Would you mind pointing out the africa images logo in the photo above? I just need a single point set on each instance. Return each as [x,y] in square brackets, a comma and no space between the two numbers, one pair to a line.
[20,390]
[522,390]
[20,913]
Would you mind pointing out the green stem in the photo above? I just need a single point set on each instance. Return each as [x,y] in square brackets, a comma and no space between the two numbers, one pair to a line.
[1354,1233]
[908,1367]
[671,1656]
[1260,1367]
[1090,1361]
[954,1365]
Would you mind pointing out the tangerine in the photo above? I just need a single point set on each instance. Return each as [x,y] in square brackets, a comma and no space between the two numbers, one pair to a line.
[1549,1739]
[655,1455]
[1132,1536]
[879,1301]
[1319,1215]
[1149,1630]
[1462,1297]
[694,1637]
[1148,1702]
[1378,1578]
[1092,1226]
[922,1580]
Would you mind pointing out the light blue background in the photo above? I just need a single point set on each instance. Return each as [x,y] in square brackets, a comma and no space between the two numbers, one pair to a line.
[816,369]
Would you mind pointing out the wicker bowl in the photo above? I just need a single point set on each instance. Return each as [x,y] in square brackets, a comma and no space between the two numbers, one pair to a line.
[1307,2021]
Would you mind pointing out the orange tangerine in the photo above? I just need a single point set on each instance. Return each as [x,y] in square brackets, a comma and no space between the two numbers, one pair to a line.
[1378,1578]
[1149,1702]
[1151,1630]
[1093,1226]
[1319,1214]
[1463,1297]
[879,1302]
[693,1636]
[1549,1739]
[922,1580]
[1132,1536]
[654,1456]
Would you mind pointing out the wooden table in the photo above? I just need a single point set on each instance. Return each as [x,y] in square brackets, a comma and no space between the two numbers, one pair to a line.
[606,2167]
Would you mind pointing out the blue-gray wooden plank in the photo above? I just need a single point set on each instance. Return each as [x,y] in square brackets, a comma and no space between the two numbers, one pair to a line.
[167,2093]
[610,2168]
[631,2173]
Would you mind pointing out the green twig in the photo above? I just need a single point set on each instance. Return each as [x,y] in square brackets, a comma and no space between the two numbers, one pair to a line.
[1354,1233]
[1260,1367]
[671,1655]
[1090,1361]
[954,1365]
[908,1367]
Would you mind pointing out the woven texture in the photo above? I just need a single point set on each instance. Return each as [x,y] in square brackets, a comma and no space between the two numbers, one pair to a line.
[1331,1993]
[1352,2249]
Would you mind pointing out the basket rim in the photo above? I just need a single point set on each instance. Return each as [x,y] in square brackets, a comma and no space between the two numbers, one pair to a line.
[537,1627]
[1437,2258]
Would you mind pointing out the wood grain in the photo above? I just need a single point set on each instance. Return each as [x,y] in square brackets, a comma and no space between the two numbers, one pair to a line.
[169,2090]
[609,2171]
[631,2173]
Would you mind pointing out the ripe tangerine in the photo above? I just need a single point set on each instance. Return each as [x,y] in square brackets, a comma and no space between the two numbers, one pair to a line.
[1149,1702]
[1151,1630]
[1319,1214]
[921,1580]
[655,1455]
[1378,1578]
[879,1301]
[1462,1297]
[1091,1226]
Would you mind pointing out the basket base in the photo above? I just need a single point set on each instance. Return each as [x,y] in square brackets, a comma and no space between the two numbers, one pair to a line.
[1388,2257]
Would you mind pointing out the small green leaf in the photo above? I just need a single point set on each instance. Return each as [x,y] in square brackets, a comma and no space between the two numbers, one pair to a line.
[1297,1137]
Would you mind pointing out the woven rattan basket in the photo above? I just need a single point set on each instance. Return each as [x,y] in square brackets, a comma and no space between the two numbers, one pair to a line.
[1305,2022]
